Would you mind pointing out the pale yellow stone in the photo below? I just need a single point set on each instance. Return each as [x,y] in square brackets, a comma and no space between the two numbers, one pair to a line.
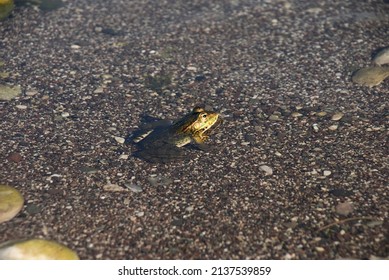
[11,202]
[322,114]
[36,249]
[337,116]
[370,76]
[382,57]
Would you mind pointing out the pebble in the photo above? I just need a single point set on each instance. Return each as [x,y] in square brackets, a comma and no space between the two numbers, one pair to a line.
[337,116]
[370,76]
[320,249]
[267,169]
[120,140]
[31,92]
[33,209]
[189,209]
[344,208]
[191,68]
[75,47]
[139,213]
[296,114]
[333,127]
[8,93]
[99,90]
[88,169]
[65,115]
[315,127]
[11,202]
[274,118]
[124,156]
[326,173]
[113,188]
[14,157]
[36,249]
[322,114]
[159,181]
[133,187]
[4,75]
[382,57]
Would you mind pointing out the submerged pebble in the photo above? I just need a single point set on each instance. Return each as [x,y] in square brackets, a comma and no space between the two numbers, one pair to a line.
[267,169]
[370,76]
[344,208]
[11,202]
[8,93]
[382,57]
[36,249]
[337,116]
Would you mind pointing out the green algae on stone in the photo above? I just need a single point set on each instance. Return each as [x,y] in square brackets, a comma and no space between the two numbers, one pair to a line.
[158,82]
[11,202]
[6,7]
[370,76]
[36,249]
[8,93]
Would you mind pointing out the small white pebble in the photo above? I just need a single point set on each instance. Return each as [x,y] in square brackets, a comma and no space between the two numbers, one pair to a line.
[333,127]
[65,115]
[320,249]
[75,47]
[124,156]
[192,68]
[326,173]
[120,140]
[267,169]
[21,107]
[337,116]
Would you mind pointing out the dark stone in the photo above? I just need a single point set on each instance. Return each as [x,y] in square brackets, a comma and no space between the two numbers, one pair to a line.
[340,192]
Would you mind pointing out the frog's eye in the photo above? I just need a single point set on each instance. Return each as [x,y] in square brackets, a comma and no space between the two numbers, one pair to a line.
[204,116]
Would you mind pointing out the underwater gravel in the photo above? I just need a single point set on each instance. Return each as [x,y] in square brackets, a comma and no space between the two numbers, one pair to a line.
[286,179]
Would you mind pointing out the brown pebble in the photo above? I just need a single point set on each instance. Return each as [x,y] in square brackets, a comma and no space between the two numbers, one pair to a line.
[344,208]
[14,157]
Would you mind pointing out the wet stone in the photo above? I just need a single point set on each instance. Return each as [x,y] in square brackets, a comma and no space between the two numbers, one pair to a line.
[15,157]
[36,249]
[337,116]
[113,188]
[88,169]
[370,76]
[322,114]
[8,93]
[340,192]
[344,208]
[11,202]
[120,140]
[382,57]
[33,209]
[159,181]
[133,187]
[267,169]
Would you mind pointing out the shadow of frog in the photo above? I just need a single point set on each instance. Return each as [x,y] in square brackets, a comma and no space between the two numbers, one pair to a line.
[160,141]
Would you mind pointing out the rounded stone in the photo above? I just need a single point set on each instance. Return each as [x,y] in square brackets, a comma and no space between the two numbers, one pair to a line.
[344,208]
[337,116]
[11,202]
[370,76]
[8,93]
[382,57]
[36,249]
[267,169]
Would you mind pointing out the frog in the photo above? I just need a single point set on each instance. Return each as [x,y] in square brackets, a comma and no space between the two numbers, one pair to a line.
[162,141]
